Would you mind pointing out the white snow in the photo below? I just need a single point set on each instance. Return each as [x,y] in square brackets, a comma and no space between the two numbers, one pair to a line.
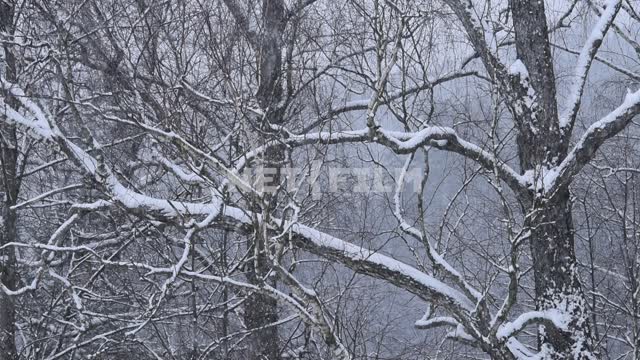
[358,253]
[435,321]
[540,179]
[559,319]
[631,101]
[420,137]
[528,102]
[585,58]
[128,198]
[40,129]
[357,103]
[518,68]
[186,176]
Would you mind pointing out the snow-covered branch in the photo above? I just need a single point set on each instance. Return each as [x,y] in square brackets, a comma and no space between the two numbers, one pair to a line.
[439,137]
[383,267]
[355,257]
[585,59]
[590,142]
[548,317]
[43,127]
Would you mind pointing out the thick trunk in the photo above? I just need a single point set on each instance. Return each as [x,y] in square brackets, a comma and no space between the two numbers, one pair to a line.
[9,190]
[261,311]
[9,279]
[557,285]
[541,147]
[539,137]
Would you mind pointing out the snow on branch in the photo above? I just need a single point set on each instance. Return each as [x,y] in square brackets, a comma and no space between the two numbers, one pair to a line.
[437,259]
[458,333]
[439,137]
[553,317]
[353,256]
[381,266]
[527,101]
[357,258]
[591,141]
[44,128]
[466,14]
[610,64]
[45,195]
[182,143]
[38,125]
[438,321]
[186,176]
[518,68]
[222,102]
[585,59]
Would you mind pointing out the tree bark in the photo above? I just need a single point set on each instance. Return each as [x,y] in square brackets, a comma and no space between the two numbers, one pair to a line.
[557,284]
[541,147]
[8,275]
[10,186]
[261,311]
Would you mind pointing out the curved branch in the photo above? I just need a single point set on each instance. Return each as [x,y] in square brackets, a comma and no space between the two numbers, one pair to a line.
[550,317]
[362,105]
[382,267]
[442,138]
[585,59]
[355,257]
[590,142]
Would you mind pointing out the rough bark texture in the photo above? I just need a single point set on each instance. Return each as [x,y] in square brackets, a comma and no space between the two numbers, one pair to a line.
[557,284]
[8,274]
[539,135]
[261,310]
[9,196]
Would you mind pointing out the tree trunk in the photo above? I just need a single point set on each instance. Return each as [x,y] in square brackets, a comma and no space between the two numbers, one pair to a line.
[541,146]
[10,186]
[557,284]
[261,310]
[7,275]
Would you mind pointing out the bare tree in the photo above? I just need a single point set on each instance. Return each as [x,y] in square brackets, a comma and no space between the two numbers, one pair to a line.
[158,240]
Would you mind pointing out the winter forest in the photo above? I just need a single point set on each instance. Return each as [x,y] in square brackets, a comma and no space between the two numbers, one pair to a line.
[320,179]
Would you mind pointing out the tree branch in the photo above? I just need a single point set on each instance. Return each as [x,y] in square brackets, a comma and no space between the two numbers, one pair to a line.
[591,141]
[585,59]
